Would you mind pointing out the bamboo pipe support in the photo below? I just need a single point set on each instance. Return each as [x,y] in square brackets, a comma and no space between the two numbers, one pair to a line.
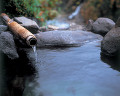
[20,31]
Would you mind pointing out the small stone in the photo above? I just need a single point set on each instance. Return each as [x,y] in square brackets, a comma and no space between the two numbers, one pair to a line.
[28,24]
[52,27]
[89,26]
[42,29]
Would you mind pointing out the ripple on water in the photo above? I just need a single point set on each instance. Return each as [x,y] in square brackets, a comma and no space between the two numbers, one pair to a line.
[75,71]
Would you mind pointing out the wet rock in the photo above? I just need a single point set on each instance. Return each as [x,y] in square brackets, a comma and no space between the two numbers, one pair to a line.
[111,42]
[65,38]
[102,26]
[20,43]
[28,24]
[3,28]
[7,45]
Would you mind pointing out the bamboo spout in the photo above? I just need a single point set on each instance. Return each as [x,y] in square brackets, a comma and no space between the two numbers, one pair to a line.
[20,31]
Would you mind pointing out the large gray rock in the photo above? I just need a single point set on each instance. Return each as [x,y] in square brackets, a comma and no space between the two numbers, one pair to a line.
[102,26]
[7,45]
[3,28]
[27,23]
[111,42]
[65,38]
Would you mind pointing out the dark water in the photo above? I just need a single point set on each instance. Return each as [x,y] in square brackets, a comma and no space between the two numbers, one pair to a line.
[75,71]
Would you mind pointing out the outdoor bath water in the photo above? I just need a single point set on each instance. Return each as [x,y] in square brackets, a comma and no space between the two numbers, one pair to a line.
[74,71]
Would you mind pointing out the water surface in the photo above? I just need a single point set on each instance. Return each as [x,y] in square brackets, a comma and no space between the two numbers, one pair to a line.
[74,71]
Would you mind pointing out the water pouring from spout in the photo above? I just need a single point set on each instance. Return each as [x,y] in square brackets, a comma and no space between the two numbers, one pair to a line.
[35,52]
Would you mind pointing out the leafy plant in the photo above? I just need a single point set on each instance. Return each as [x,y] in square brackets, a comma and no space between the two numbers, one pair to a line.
[40,9]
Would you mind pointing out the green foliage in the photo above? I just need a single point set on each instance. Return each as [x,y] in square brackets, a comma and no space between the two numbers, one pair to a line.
[92,9]
[40,9]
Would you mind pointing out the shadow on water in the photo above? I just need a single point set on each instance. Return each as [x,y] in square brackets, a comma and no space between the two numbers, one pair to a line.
[16,73]
[113,61]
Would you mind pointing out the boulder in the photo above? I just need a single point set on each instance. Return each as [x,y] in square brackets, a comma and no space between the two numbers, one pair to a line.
[65,38]
[110,44]
[102,26]
[28,24]
[7,45]
[3,28]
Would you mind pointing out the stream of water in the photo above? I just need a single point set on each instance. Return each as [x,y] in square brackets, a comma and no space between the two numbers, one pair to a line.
[75,71]
[35,52]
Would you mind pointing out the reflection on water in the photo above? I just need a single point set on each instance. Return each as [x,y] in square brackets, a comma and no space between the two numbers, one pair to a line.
[114,62]
[16,73]
[70,71]
[76,71]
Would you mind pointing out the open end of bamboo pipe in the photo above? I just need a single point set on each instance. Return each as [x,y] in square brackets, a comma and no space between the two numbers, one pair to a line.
[20,31]
[31,41]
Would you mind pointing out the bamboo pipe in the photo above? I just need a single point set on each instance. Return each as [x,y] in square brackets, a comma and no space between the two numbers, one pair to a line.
[20,31]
